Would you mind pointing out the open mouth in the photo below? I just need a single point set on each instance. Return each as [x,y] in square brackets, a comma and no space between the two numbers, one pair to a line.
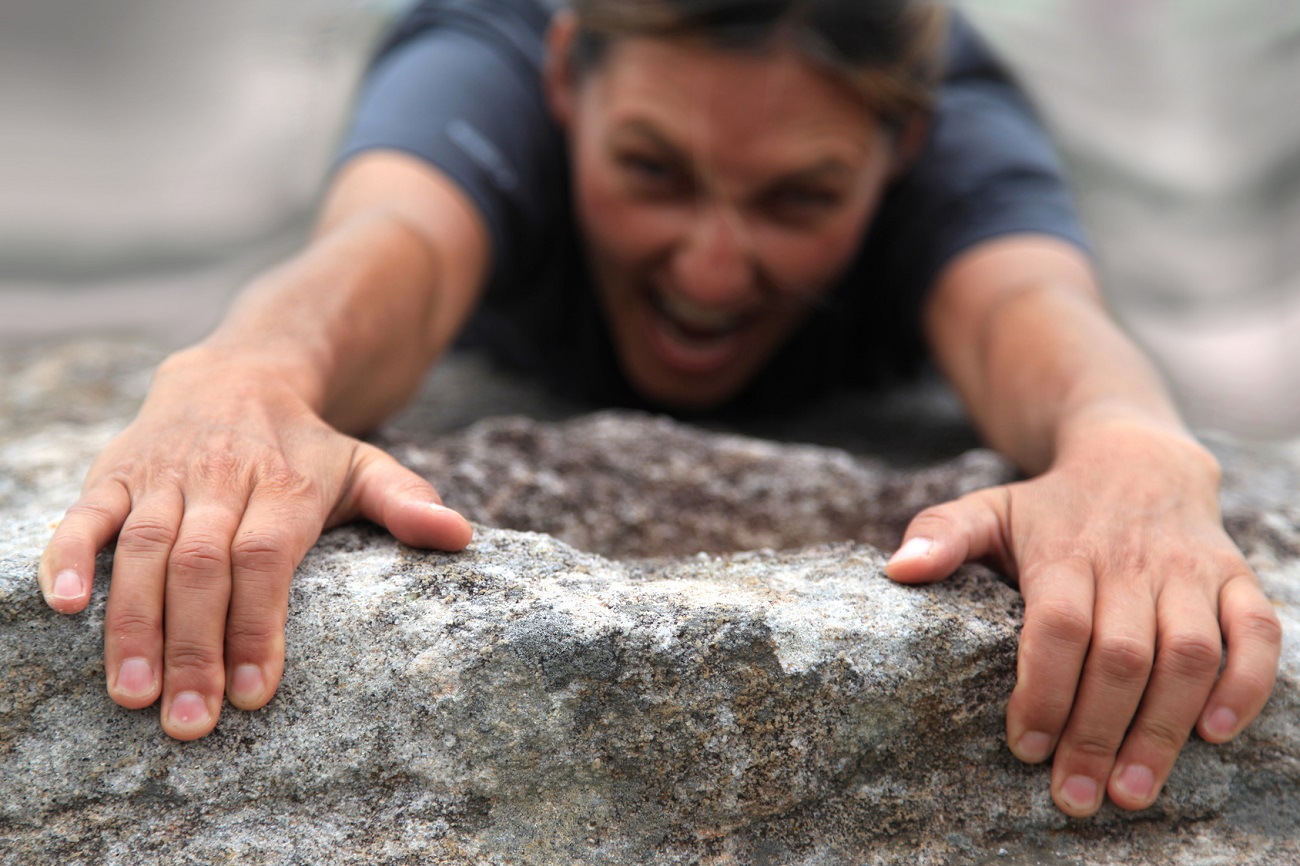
[697,322]
[694,339]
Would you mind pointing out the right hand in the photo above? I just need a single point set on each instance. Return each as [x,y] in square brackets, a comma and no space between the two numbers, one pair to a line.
[215,493]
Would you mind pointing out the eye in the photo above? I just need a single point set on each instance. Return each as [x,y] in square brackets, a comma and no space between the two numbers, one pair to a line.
[800,205]
[645,167]
[651,174]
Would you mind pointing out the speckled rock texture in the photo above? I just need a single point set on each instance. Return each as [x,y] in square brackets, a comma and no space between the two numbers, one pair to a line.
[666,645]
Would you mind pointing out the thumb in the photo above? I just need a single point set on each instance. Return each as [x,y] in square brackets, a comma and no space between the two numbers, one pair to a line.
[387,493]
[942,537]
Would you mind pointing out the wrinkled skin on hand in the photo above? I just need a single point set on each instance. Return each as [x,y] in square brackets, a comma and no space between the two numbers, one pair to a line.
[213,503]
[1133,590]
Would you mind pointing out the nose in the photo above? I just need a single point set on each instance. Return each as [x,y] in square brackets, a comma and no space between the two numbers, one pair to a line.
[713,265]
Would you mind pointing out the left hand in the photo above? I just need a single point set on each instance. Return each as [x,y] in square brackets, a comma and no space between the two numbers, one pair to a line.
[1132,590]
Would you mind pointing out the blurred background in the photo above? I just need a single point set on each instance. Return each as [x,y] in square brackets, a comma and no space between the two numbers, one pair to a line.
[154,154]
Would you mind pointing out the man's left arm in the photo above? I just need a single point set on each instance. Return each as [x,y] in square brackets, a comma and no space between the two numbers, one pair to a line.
[1132,587]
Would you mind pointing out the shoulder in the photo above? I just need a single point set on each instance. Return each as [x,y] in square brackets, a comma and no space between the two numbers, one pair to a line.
[968,55]
[518,27]
[457,84]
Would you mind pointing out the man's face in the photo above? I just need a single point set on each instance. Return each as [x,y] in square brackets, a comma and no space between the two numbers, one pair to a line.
[720,194]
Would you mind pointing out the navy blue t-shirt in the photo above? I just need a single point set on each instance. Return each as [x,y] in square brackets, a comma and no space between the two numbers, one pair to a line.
[458,83]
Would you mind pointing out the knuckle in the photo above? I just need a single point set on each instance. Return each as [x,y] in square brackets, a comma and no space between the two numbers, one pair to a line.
[1096,743]
[415,487]
[261,552]
[68,542]
[199,556]
[1261,623]
[113,467]
[1123,659]
[135,626]
[937,518]
[283,480]
[1180,560]
[1063,622]
[192,655]
[1227,560]
[1191,655]
[90,509]
[1045,710]
[218,466]
[1167,736]
[146,533]
[259,633]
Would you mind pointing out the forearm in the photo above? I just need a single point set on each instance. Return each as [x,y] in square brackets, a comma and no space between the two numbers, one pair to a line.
[352,323]
[1019,328]
[1133,590]
[342,323]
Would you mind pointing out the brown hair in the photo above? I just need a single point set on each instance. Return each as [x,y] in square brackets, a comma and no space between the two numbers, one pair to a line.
[888,51]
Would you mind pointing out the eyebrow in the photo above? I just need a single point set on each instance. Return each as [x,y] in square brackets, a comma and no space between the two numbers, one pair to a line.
[829,168]
[644,130]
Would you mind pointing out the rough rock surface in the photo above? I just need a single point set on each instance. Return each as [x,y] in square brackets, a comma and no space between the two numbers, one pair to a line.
[692,658]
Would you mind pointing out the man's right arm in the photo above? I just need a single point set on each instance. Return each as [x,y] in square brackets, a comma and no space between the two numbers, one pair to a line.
[240,455]
[394,268]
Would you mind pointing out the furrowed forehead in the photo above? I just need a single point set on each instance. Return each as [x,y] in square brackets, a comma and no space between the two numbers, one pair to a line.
[760,114]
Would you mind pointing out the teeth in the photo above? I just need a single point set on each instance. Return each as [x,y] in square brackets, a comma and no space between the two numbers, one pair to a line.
[697,318]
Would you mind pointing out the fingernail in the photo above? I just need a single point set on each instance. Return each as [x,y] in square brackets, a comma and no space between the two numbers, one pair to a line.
[1034,747]
[135,677]
[1136,781]
[915,548]
[438,506]
[1221,722]
[247,684]
[67,585]
[189,708]
[1080,793]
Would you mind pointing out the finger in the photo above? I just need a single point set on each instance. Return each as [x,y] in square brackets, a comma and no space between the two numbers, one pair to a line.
[197,597]
[1059,600]
[272,539]
[393,496]
[1187,662]
[941,538]
[1254,640]
[1115,676]
[133,619]
[67,569]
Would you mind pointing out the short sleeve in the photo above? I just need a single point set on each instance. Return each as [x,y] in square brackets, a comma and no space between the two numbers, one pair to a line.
[989,169]
[462,90]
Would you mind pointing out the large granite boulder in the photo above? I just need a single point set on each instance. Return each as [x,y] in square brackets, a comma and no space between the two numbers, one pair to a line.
[665,645]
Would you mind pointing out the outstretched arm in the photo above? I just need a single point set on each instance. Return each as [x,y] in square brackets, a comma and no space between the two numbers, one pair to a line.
[240,454]
[1132,588]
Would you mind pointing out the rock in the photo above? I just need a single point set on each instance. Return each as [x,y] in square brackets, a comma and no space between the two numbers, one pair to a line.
[666,645]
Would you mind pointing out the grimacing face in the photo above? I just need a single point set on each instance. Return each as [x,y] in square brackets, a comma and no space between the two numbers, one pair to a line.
[720,193]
